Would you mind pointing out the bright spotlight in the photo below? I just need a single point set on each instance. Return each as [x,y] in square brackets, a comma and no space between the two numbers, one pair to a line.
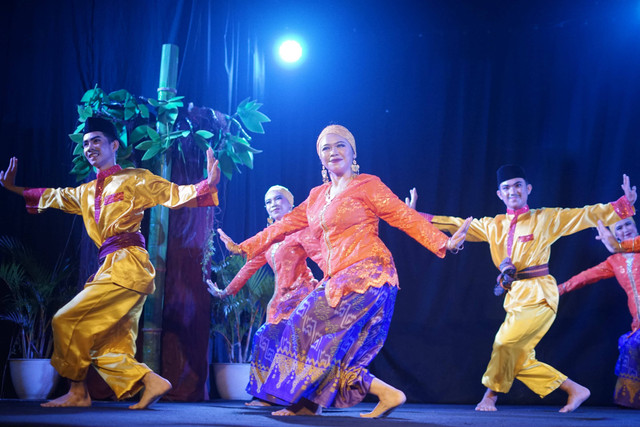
[290,51]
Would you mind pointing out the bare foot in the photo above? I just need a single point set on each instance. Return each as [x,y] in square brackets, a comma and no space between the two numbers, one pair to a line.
[390,399]
[258,402]
[302,407]
[154,388]
[77,396]
[577,395]
[69,399]
[488,402]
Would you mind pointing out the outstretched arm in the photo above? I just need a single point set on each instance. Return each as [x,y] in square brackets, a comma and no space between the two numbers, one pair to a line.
[8,177]
[629,192]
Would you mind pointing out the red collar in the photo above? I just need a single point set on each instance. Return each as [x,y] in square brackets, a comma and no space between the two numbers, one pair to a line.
[518,212]
[102,174]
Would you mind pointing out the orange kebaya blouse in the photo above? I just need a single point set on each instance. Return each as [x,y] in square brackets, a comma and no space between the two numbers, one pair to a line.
[353,256]
[293,278]
[625,268]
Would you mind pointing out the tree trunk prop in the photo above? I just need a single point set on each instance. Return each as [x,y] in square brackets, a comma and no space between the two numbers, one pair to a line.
[159,223]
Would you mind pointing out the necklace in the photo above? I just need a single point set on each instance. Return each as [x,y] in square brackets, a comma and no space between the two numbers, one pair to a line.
[329,197]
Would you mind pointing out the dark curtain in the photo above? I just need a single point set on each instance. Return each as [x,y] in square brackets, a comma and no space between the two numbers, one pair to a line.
[437,93]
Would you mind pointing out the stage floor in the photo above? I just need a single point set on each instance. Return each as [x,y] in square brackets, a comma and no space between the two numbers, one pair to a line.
[234,413]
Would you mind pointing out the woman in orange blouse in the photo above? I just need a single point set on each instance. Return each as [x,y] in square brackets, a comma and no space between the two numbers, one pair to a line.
[293,282]
[336,331]
[625,267]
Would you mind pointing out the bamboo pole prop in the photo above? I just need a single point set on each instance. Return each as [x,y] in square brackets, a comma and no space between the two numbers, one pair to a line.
[159,224]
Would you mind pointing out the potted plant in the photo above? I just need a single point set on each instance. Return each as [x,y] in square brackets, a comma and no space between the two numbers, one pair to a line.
[235,319]
[35,292]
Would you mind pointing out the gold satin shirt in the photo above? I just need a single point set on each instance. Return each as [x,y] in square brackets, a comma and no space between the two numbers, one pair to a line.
[535,232]
[124,194]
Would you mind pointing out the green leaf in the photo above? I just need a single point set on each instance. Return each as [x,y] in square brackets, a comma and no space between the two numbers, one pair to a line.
[243,104]
[124,138]
[82,174]
[153,102]
[253,119]
[84,112]
[92,95]
[126,164]
[204,133]
[167,116]
[145,145]
[241,145]
[200,142]
[172,105]
[80,159]
[144,111]
[130,112]
[138,133]
[76,137]
[226,164]
[119,95]
[81,168]
[179,134]
[78,150]
[247,159]
[116,114]
[125,152]
[151,152]
[155,136]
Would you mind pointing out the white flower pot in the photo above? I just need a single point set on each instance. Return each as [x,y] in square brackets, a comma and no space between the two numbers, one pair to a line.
[232,380]
[33,379]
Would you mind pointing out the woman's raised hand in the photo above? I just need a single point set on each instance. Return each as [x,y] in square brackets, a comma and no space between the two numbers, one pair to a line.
[214,290]
[231,246]
[456,242]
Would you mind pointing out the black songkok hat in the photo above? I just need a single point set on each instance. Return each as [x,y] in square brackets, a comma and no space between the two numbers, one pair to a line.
[98,124]
[507,172]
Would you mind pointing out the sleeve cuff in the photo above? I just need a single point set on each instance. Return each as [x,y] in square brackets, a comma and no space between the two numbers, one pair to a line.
[204,195]
[32,199]
[631,245]
[623,208]
[426,216]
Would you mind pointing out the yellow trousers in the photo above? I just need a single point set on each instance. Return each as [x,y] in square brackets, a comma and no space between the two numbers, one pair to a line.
[513,354]
[99,328]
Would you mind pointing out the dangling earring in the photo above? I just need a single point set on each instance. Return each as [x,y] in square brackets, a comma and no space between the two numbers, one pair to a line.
[325,175]
[269,221]
[355,168]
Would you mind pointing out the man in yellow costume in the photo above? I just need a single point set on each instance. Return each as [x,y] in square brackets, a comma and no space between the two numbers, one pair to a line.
[520,244]
[98,327]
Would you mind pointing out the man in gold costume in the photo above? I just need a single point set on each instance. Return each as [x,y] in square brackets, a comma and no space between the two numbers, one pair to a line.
[520,244]
[98,327]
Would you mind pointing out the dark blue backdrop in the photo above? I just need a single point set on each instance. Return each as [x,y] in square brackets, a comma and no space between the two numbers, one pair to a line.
[437,93]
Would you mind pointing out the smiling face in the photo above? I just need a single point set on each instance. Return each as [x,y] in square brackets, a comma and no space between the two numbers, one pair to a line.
[514,193]
[276,204]
[625,229]
[336,154]
[99,151]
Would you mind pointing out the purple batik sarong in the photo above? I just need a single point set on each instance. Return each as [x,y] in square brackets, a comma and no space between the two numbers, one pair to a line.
[627,392]
[324,351]
[265,344]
